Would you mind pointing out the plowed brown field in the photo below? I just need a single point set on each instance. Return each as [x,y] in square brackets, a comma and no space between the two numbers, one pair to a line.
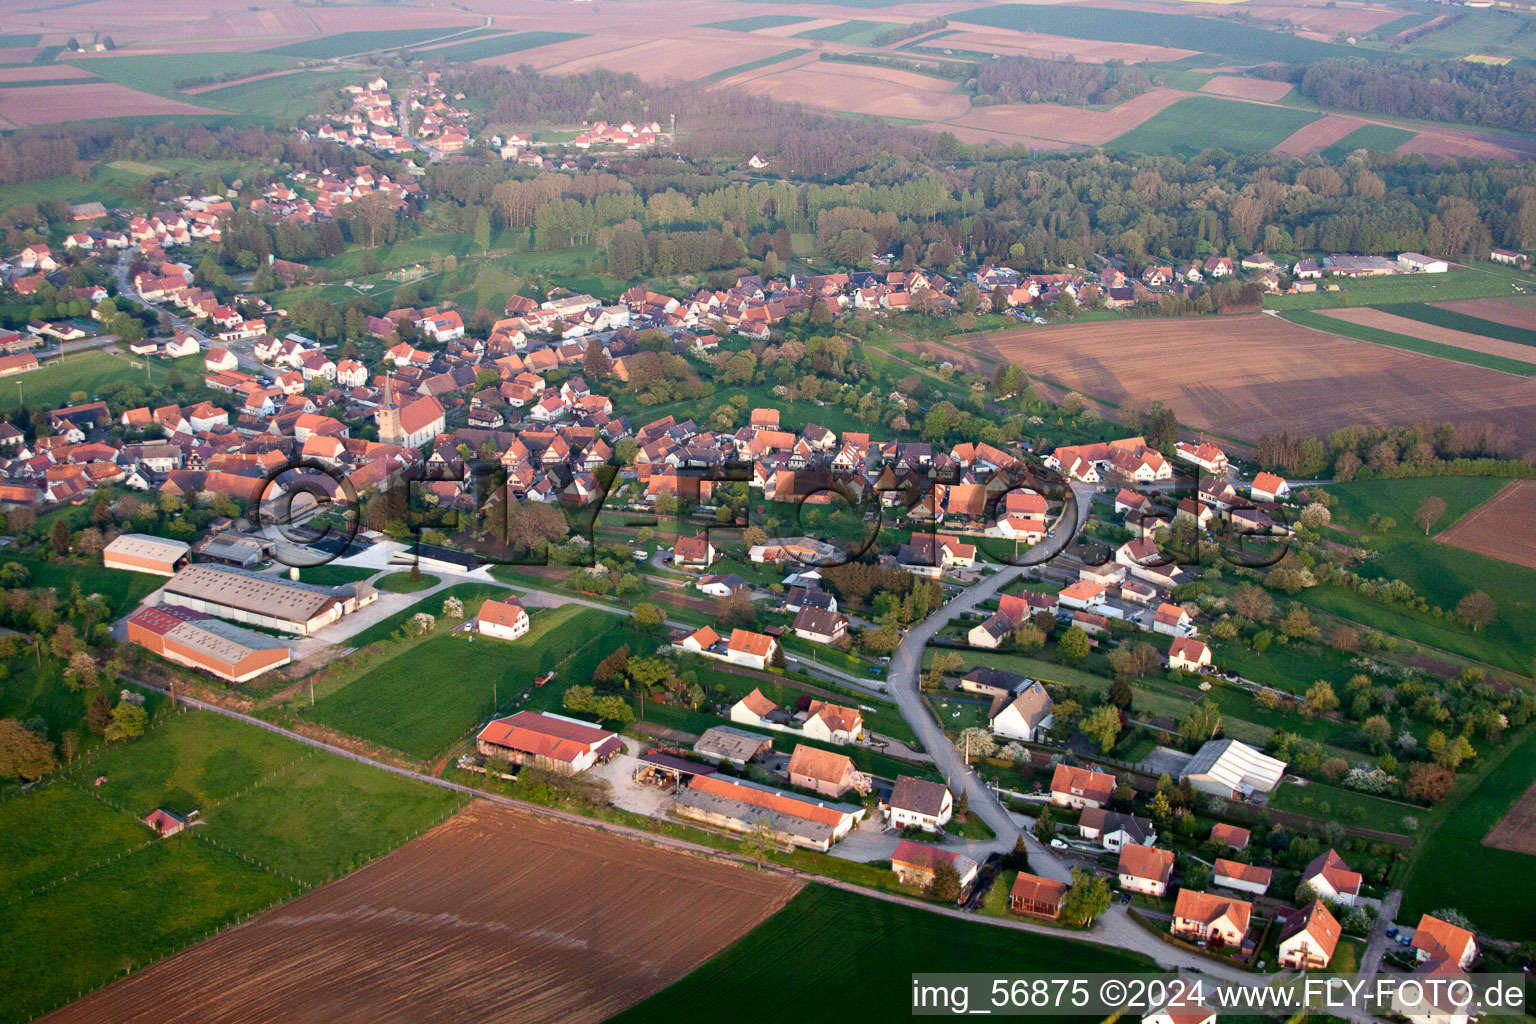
[1069,124]
[1246,88]
[53,104]
[495,916]
[1250,375]
[862,89]
[1503,527]
[1009,43]
[1518,829]
[1318,136]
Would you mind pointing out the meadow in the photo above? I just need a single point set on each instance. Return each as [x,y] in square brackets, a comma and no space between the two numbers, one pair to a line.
[158,73]
[853,33]
[283,100]
[496,46]
[52,383]
[1492,33]
[1459,283]
[470,593]
[1224,37]
[1207,122]
[88,893]
[429,696]
[344,43]
[756,22]
[831,941]
[1486,879]
[1377,137]
[1378,336]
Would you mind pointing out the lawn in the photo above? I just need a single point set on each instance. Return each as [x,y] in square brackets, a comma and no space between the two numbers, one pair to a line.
[1379,138]
[495,46]
[428,697]
[1441,573]
[1186,31]
[753,65]
[334,575]
[1494,33]
[281,100]
[401,583]
[1458,283]
[64,189]
[828,940]
[86,891]
[1332,803]
[1378,336]
[344,43]
[1487,885]
[51,384]
[470,593]
[1207,122]
[754,23]
[120,588]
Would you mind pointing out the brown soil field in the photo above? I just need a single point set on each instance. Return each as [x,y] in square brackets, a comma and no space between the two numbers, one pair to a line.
[1275,375]
[1246,88]
[1318,136]
[1442,144]
[1503,527]
[495,916]
[861,89]
[1070,124]
[52,104]
[1517,831]
[1036,44]
[1328,22]
[17,54]
[1500,311]
[1429,332]
[43,72]
[781,31]
[985,135]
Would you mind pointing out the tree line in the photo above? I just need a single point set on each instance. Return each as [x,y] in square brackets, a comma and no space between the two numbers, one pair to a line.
[1037,80]
[1489,95]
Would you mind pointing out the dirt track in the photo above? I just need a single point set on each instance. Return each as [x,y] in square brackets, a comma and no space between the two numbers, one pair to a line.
[495,916]
[1255,374]
[1503,527]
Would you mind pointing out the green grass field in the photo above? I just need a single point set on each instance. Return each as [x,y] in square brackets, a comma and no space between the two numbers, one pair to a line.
[86,891]
[1331,803]
[343,43]
[1428,314]
[426,698]
[65,189]
[401,583]
[830,941]
[1494,33]
[52,383]
[1377,137]
[120,588]
[1441,573]
[1480,282]
[334,575]
[1186,31]
[1377,336]
[496,46]
[470,593]
[158,73]
[754,23]
[753,65]
[854,33]
[282,100]
[1206,122]
[1454,867]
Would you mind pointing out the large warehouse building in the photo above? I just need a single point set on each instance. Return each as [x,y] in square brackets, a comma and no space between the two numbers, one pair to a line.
[266,601]
[1233,770]
[193,639]
[139,552]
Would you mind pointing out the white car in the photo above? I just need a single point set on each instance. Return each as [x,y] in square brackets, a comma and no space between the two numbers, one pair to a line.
[1058,844]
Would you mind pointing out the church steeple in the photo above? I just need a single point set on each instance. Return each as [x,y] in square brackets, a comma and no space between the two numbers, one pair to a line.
[388,415]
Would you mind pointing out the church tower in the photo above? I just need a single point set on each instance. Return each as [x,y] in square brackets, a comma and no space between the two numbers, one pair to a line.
[388,416]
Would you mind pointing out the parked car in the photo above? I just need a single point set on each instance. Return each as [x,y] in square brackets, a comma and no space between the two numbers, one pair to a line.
[1059,845]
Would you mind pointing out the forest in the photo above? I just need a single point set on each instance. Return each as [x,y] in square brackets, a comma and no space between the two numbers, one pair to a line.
[1489,95]
[1037,80]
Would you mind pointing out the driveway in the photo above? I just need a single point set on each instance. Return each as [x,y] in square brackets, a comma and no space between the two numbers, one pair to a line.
[1165,759]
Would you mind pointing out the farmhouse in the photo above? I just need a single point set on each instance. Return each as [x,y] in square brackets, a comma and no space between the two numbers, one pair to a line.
[736,746]
[755,650]
[553,742]
[138,552]
[266,601]
[164,823]
[1435,939]
[1309,938]
[824,772]
[1205,917]
[1114,830]
[506,620]
[819,626]
[1076,787]
[919,803]
[1232,874]
[693,552]
[914,864]
[740,806]
[1145,869]
[1331,878]
[1034,896]
[1026,717]
[1233,770]
[198,641]
[721,586]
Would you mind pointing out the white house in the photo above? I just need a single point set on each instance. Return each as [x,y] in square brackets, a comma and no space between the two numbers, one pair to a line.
[1332,879]
[1188,654]
[506,620]
[919,803]
[1145,869]
[1269,487]
[1026,717]
[1435,939]
[1113,830]
[753,709]
[1231,874]
[1309,937]
[755,650]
